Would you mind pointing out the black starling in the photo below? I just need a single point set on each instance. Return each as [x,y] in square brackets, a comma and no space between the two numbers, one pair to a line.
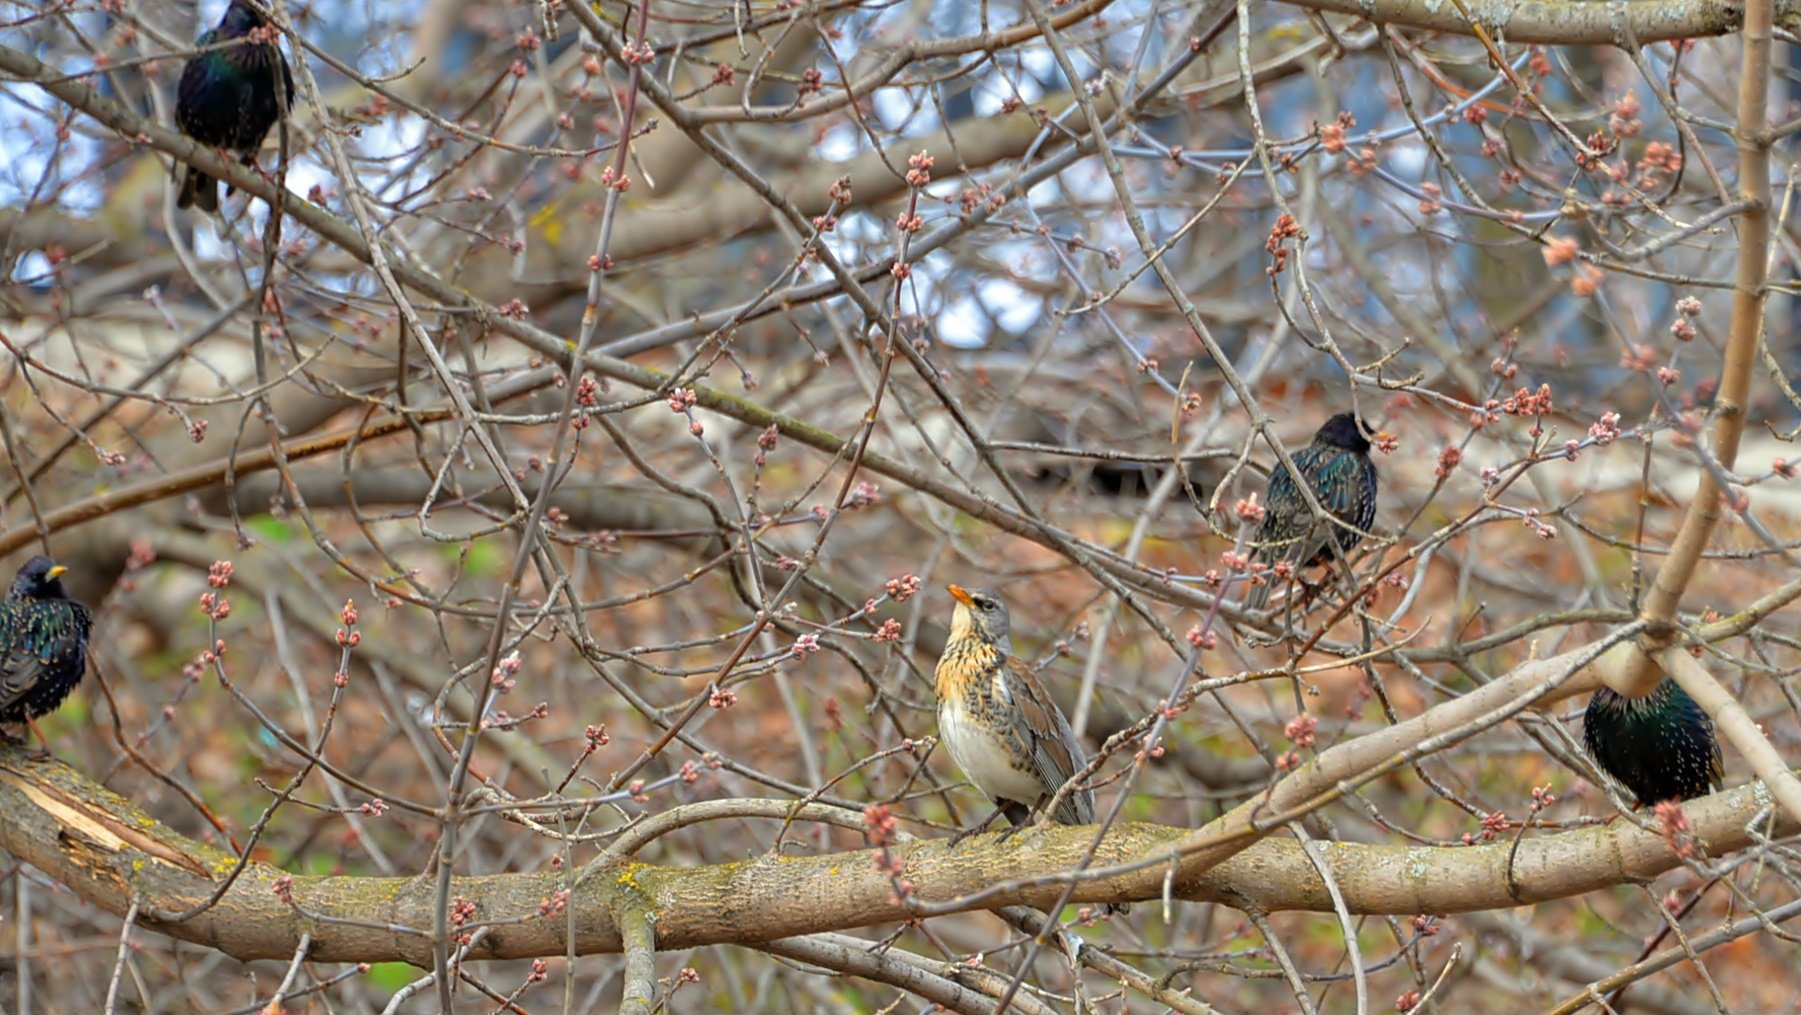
[1660,746]
[43,643]
[227,96]
[1337,466]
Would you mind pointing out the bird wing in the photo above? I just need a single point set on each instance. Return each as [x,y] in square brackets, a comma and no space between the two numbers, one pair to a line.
[1049,742]
[36,640]
[1599,745]
[1281,535]
[1290,532]
[1699,719]
[192,83]
[1341,482]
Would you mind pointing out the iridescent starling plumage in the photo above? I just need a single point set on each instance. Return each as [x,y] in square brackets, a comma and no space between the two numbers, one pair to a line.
[1660,747]
[227,97]
[43,642]
[1337,466]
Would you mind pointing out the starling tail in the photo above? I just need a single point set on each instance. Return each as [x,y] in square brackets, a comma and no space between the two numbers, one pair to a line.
[1337,467]
[1660,747]
[198,190]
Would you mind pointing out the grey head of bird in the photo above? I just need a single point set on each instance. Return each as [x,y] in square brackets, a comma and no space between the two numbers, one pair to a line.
[980,614]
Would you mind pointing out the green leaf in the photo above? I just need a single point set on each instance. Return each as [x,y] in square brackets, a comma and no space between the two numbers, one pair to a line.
[271,529]
[391,976]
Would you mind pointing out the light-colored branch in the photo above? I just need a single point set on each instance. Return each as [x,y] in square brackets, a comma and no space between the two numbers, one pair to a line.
[1335,769]
[1634,672]
[105,850]
[1556,22]
[1160,989]
[1735,726]
[946,984]
[640,961]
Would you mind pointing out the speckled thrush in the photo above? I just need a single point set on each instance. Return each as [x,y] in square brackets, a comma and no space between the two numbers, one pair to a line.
[1000,725]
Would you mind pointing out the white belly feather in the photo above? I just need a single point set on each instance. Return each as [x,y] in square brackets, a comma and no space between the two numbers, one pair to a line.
[984,759]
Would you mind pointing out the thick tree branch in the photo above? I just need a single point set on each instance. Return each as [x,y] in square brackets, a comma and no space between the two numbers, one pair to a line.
[109,852]
[1557,23]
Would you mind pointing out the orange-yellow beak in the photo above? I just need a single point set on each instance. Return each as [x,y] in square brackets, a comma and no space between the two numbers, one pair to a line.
[960,594]
[56,572]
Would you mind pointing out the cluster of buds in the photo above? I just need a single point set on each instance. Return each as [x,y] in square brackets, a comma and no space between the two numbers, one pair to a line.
[1332,135]
[1542,797]
[1605,430]
[502,677]
[587,395]
[766,442]
[1676,832]
[879,824]
[1300,730]
[1448,460]
[215,606]
[615,181]
[919,171]
[1624,121]
[1526,402]
[348,636]
[1539,526]
[557,903]
[1285,229]
[1492,826]
[596,737]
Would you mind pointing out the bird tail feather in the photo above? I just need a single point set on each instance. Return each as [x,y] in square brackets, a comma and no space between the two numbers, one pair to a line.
[1257,596]
[198,189]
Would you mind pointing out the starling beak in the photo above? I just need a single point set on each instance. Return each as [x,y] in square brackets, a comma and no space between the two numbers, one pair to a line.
[227,97]
[1337,466]
[1660,747]
[43,643]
